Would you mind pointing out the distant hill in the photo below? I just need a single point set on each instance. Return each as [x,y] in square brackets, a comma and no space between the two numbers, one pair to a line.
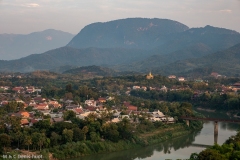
[92,71]
[141,33]
[155,61]
[163,35]
[226,62]
[73,57]
[14,46]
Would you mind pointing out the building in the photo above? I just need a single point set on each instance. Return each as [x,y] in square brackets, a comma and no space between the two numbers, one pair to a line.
[181,79]
[172,77]
[150,76]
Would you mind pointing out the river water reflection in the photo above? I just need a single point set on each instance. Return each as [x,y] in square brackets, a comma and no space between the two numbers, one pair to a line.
[179,148]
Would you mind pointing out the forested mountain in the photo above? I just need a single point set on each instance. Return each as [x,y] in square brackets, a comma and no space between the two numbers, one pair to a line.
[165,36]
[127,33]
[226,62]
[14,46]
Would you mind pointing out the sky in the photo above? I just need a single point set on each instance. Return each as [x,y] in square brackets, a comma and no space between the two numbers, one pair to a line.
[26,16]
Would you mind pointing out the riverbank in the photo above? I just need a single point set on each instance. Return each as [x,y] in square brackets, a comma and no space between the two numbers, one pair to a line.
[83,148]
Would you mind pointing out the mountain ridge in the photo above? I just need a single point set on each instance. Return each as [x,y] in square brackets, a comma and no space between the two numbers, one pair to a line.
[14,46]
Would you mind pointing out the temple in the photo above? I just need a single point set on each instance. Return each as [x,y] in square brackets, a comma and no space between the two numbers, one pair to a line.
[150,76]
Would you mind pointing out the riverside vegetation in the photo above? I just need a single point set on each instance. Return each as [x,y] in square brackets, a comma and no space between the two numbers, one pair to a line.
[230,150]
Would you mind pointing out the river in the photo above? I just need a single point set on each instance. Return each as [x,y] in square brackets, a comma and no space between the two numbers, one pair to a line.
[179,148]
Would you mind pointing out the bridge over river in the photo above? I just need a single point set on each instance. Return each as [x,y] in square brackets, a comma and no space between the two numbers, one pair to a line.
[215,120]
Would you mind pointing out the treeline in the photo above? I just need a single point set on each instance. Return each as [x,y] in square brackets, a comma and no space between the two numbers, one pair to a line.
[230,150]
[214,100]
[184,95]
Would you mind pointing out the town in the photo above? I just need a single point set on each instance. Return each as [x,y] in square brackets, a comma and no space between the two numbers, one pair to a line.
[111,108]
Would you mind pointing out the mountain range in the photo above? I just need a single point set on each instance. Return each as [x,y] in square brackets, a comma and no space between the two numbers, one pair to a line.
[14,46]
[139,44]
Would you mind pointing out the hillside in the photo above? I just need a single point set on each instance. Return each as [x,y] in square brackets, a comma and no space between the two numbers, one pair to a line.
[226,62]
[156,61]
[72,57]
[14,46]
[127,33]
[91,71]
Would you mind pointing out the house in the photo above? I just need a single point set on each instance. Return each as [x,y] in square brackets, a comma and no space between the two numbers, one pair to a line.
[4,103]
[54,104]
[78,111]
[41,106]
[18,89]
[136,87]
[21,114]
[172,77]
[92,108]
[163,89]
[24,122]
[29,91]
[24,114]
[181,79]
[236,86]
[71,107]
[91,102]
[132,108]
[32,122]
[144,88]
[102,100]
[39,99]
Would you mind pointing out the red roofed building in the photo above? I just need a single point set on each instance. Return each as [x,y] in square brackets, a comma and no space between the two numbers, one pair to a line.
[54,104]
[132,108]
[4,102]
[102,100]
[24,122]
[78,111]
[41,106]
[91,108]
[18,89]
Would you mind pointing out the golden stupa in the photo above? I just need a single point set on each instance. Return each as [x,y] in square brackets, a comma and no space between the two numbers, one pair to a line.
[150,76]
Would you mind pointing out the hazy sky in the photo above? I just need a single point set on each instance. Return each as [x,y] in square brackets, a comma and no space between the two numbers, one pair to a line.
[26,16]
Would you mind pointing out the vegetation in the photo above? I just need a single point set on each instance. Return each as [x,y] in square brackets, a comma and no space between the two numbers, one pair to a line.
[229,150]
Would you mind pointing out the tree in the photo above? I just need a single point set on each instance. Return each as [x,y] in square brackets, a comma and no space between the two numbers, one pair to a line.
[68,115]
[185,109]
[5,141]
[55,138]
[28,141]
[85,130]
[110,132]
[38,139]
[94,137]
[210,154]
[77,134]
[69,88]
[67,135]
[18,136]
